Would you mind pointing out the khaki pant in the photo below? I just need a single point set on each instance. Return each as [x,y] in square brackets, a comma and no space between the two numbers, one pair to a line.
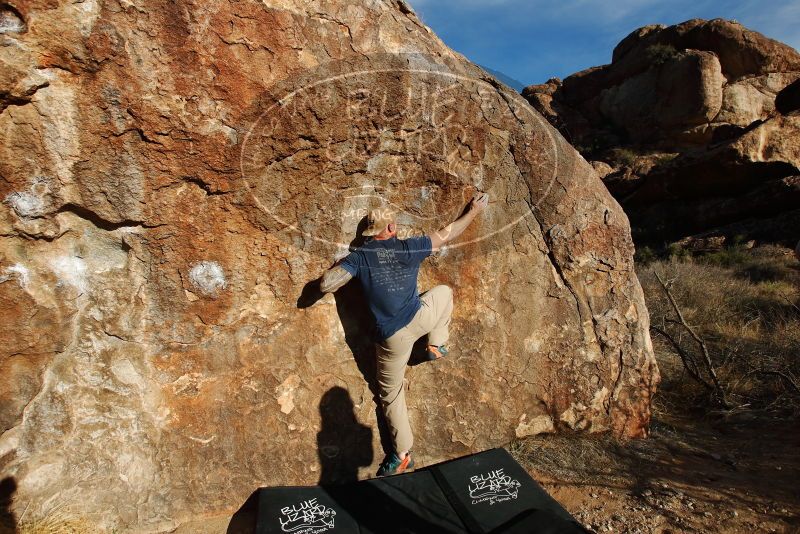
[433,319]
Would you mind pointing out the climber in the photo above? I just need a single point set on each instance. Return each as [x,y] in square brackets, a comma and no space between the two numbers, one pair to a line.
[387,268]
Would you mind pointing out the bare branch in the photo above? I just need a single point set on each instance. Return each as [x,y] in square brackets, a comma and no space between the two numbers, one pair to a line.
[785,376]
[792,304]
[688,362]
[700,341]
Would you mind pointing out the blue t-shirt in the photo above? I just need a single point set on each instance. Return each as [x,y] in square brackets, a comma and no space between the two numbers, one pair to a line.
[387,270]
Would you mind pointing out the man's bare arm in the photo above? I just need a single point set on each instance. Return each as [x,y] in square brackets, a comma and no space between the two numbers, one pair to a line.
[450,232]
[334,278]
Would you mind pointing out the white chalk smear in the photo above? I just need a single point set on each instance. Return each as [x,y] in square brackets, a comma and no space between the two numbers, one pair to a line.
[201,440]
[20,271]
[208,277]
[25,203]
[10,21]
[70,270]
[34,201]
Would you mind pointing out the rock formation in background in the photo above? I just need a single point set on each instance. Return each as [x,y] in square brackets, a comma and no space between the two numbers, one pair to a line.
[175,175]
[694,128]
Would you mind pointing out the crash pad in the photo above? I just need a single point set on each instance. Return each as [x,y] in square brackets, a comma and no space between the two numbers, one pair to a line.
[483,493]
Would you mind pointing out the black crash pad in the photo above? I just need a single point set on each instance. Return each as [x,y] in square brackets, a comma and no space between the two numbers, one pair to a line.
[484,493]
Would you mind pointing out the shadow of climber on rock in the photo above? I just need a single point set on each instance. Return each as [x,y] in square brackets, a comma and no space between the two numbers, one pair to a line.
[343,444]
[359,334]
[354,315]
[357,323]
[8,523]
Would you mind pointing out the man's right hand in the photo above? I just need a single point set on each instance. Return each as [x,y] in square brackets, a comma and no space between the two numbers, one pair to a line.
[454,229]
[478,203]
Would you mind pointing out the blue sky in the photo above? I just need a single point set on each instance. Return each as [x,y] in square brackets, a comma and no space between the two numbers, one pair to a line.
[533,40]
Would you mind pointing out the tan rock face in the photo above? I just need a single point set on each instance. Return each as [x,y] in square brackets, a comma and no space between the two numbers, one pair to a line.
[175,175]
[698,122]
[683,92]
[741,51]
[675,86]
[753,99]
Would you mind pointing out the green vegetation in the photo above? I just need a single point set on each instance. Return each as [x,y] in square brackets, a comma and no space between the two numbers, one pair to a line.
[645,256]
[664,158]
[658,54]
[624,156]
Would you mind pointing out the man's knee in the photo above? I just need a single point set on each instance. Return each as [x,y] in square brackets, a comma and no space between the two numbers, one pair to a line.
[390,391]
[391,405]
[448,297]
[444,290]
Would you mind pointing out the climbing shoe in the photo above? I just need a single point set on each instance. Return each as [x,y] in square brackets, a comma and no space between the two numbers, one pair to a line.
[434,352]
[393,465]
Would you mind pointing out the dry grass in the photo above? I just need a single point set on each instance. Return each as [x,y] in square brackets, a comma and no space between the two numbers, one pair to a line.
[746,305]
[568,458]
[597,459]
[56,521]
[51,525]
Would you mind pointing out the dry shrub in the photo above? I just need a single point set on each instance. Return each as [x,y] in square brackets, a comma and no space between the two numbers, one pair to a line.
[746,305]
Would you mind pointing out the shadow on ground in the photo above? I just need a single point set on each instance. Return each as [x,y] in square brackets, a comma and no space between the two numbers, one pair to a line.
[8,522]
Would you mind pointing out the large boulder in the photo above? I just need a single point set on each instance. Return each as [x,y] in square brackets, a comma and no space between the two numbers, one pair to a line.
[175,177]
[688,116]
[674,86]
[741,51]
[684,92]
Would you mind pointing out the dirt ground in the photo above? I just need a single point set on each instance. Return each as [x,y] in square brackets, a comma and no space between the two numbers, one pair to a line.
[737,474]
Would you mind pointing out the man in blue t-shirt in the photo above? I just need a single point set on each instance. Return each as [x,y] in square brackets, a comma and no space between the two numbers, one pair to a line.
[387,268]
